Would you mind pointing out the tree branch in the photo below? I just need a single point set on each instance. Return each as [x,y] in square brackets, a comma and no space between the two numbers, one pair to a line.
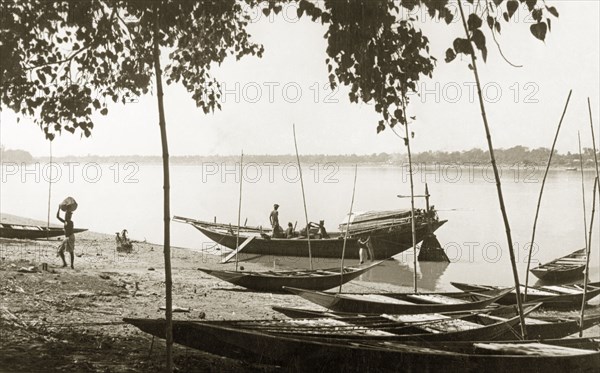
[68,59]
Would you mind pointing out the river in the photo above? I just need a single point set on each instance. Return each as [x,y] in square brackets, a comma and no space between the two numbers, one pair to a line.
[115,196]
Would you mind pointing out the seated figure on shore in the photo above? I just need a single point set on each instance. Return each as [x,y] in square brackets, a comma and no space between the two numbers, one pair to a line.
[123,243]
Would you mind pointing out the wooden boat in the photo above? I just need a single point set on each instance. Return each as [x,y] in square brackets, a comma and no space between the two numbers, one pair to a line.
[556,296]
[401,303]
[325,354]
[387,229]
[561,269]
[387,243]
[32,232]
[539,327]
[473,326]
[274,281]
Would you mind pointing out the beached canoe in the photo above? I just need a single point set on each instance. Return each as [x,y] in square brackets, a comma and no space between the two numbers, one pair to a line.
[401,303]
[562,269]
[327,354]
[554,296]
[538,327]
[32,232]
[472,326]
[274,281]
[385,243]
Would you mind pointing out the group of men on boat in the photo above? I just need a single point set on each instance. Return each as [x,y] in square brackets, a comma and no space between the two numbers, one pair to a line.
[315,230]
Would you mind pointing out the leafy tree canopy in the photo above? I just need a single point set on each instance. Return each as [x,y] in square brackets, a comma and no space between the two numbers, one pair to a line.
[62,60]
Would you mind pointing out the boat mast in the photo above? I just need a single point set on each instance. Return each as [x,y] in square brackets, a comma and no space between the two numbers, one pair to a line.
[237,236]
[537,210]
[347,228]
[303,198]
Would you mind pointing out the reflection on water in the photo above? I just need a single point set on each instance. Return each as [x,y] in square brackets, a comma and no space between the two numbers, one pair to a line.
[391,271]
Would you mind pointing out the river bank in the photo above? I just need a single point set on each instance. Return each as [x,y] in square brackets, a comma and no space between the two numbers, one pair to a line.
[70,320]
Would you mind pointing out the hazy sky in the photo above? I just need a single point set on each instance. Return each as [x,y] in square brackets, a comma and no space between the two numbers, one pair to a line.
[289,85]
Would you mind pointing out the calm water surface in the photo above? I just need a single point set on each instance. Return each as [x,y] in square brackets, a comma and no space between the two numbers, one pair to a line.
[116,196]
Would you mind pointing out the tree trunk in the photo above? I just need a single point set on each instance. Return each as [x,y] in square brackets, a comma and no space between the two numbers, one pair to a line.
[166,195]
[497,177]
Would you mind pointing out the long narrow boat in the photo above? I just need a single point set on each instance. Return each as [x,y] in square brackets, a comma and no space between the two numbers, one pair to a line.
[401,303]
[32,232]
[538,327]
[556,296]
[473,326]
[562,269]
[325,354]
[396,241]
[274,281]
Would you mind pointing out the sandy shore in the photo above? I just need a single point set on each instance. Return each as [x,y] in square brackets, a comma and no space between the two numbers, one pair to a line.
[70,320]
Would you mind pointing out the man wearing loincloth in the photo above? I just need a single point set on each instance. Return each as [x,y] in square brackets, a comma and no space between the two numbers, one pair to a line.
[68,243]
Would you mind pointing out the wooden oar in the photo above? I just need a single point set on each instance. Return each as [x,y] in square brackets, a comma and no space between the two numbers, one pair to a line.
[237,250]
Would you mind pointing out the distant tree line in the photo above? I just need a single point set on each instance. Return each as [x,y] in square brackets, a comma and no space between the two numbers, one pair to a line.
[15,156]
[515,155]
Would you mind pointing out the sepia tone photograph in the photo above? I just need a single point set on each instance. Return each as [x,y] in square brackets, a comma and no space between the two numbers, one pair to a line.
[299,186]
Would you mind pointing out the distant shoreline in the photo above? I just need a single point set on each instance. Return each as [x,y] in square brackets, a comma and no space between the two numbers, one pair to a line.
[517,155]
[276,163]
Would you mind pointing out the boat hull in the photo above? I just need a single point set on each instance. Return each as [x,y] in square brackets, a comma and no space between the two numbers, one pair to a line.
[394,305]
[562,269]
[546,328]
[549,301]
[320,354]
[32,232]
[275,281]
[384,245]
[559,276]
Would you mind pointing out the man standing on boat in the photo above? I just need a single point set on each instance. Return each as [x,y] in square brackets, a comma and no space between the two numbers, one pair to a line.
[68,243]
[274,218]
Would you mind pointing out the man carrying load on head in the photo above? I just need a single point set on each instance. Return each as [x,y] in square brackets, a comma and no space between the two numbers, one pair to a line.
[68,243]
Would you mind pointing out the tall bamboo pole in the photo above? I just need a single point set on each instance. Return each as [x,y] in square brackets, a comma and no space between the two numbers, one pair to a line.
[166,193]
[347,229]
[412,196]
[594,142]
[587,259]
[237,236]
[583,192]
[539,202]
[303,199]
[497,177]
[49,193]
